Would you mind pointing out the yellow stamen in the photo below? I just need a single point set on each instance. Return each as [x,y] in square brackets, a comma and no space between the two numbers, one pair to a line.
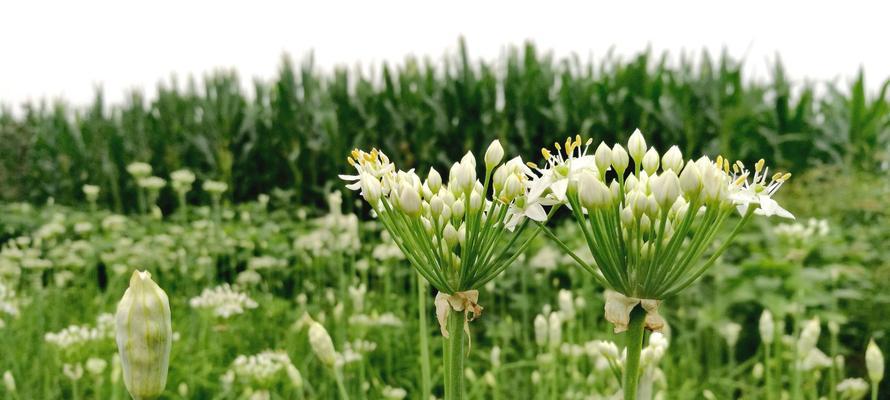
[786,177]
[759,166]
[350,161]
[726,166]
[545,153]
[589,141]
[531,164]
[740,180]
[556,144]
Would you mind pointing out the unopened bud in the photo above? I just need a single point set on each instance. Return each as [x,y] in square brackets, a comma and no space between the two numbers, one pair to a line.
[672,160]
[874,362]
[144,336]
[650,161]
[494,154]
[636,146]
[322,344]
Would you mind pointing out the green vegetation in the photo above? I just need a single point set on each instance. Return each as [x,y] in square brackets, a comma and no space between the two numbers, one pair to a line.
[294,131]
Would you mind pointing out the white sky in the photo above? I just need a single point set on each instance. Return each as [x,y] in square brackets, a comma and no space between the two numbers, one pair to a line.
[65,48]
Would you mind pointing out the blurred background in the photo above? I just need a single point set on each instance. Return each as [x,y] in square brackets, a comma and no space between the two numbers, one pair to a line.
[262,101]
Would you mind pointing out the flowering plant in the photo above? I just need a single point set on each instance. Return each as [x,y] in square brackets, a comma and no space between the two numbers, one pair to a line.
[458,235]
[649,227]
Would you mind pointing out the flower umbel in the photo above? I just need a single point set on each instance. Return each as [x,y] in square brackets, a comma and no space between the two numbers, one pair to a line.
[458,234]
[649,230]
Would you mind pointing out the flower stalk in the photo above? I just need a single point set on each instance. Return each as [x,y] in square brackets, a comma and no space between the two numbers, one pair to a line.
[635,331]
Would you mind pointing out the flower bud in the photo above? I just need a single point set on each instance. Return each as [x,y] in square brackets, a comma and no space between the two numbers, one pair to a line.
[603,157]
[672,160]
[665,188]
[512,188]
[371,189]
[499,178]
[458,209]
[809,336]
[650,161]
[144,336]
[450,235]
[554,332]
[434,180]
[293,374]
[9,382]
[436,206]
[620,159]
[767,327]
[690,179]
[494,154]
[636,146]
[409,201]
[592,192]
[475,202]
[322,344]
[541,330]
[874,362]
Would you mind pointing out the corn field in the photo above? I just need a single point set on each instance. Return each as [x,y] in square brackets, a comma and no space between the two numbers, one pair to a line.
[291,133]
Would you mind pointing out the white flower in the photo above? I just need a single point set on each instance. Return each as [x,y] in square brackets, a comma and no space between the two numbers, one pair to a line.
[139,169]
[757,191]
[523,208]
[223,301]
[852,388]
[393,393]
[214,187]
[561,169]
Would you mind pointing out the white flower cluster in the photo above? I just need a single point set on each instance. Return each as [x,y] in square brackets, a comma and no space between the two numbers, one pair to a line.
[809,356]
[8,303]
[79,335]
[333,233]
[800,232]
[223,301]
[182,180]
[852,388]
[386,319]
[448,229]
[261,368]
[354,351]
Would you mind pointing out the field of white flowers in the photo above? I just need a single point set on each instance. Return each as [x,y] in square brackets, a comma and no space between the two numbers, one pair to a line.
[597,272]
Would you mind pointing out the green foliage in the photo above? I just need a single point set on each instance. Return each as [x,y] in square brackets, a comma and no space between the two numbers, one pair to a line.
[294,131]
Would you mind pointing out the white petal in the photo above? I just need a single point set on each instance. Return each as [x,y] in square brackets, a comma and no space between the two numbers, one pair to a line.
[536,212]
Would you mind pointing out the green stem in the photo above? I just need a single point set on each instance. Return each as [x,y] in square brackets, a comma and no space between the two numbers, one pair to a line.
[634,347]
[874,391]
[338,376]
[767,384]
[454,357]
[423,332]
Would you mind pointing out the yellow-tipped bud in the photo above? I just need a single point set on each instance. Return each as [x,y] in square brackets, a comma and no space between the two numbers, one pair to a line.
[144,336]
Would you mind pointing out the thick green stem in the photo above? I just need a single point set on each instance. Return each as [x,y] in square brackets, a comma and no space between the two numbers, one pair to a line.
[454,357]
[874,391]
[767,368]
[634,347]
[423,332]
[341,388]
